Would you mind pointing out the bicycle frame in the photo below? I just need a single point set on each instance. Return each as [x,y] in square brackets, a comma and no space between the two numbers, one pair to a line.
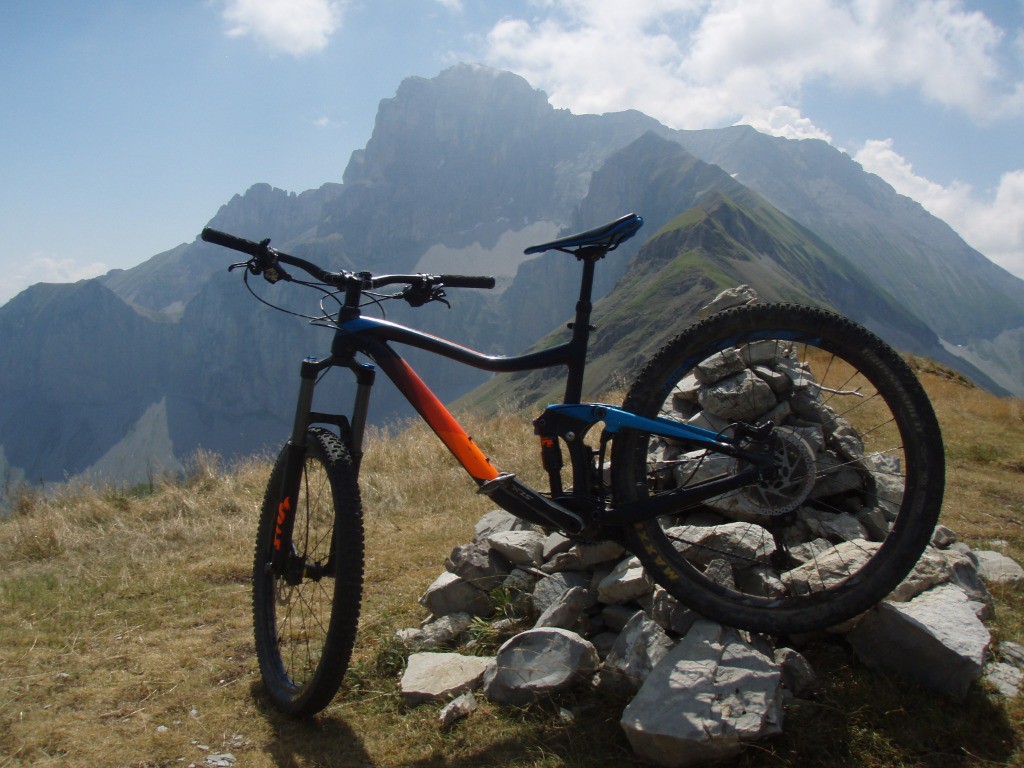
[583,512]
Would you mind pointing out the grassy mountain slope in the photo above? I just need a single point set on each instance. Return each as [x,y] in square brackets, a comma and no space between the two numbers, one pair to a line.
[717,244]
[917,256]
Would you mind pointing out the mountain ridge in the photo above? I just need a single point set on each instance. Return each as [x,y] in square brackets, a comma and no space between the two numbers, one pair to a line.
[766,163]
[176,337]
[716,244]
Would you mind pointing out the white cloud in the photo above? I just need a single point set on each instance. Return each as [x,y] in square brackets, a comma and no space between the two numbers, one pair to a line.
[710,63]
[296,27]
[702,63]
[41,268]
[993,225]
[786,122]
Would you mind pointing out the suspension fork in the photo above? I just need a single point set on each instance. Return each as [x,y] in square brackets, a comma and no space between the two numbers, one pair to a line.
[295,450]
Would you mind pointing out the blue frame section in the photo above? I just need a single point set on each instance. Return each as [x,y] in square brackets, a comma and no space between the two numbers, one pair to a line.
[615,418]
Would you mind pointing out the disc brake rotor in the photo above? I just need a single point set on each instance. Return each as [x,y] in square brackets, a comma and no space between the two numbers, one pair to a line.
[787,487]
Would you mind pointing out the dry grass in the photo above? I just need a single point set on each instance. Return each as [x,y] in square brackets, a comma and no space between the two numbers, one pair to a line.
[125,634]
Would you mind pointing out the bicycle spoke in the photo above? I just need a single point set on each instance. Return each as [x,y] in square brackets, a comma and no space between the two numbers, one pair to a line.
[839,454]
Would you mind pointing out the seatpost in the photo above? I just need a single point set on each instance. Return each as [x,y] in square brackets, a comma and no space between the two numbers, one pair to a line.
[581,327]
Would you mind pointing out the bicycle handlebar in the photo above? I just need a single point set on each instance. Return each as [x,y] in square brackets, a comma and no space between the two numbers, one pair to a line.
[267,257]
[217,237]
[466,281]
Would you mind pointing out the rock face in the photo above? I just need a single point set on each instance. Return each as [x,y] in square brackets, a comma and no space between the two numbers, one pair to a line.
[936,639]
[710,694]
[539,662]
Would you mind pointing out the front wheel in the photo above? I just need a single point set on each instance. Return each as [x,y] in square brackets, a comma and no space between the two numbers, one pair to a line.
[857,479]
[306,607]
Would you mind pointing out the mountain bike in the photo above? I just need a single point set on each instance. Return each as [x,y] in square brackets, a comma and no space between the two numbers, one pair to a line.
[775,467]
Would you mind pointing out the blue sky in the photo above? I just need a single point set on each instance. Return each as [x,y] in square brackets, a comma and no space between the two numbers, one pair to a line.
[124,126]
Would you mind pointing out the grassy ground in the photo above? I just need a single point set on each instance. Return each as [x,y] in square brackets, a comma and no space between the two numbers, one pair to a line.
[125,635]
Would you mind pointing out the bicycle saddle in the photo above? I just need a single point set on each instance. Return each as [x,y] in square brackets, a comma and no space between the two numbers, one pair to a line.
[608,237]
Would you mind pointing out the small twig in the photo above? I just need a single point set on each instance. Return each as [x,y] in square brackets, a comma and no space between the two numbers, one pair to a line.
[823,388]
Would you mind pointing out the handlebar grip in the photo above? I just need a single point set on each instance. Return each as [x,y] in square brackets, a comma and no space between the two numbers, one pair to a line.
[217,237]
[467,281]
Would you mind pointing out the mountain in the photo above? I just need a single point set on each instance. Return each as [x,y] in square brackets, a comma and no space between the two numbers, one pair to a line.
[916,256]
[464,158]
[130,373]
[726,235]
[76,361]
[161,286]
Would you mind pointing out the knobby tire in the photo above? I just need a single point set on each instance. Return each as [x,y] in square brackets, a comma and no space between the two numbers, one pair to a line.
[305,630]
[857,499]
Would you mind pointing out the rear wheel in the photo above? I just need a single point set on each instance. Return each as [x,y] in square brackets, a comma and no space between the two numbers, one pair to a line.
[305,617]
[858,469]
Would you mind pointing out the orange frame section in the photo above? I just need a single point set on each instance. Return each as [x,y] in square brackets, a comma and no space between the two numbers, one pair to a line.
[440,419]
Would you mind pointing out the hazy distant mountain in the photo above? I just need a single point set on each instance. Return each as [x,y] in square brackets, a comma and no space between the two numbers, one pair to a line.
[166,282]
[726,235]
[131,372]
[975,306]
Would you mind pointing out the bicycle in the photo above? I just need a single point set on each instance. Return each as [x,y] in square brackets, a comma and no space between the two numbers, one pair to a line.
[785,442]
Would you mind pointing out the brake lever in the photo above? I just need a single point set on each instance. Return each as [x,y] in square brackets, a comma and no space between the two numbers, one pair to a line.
[265,263]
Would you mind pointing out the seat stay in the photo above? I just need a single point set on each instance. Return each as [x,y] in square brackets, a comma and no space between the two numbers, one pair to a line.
[605,238]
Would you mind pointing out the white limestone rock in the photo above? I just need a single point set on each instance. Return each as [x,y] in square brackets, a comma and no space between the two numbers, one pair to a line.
[935,640]
[539,662]
[636,651]
[708,696]
[566,610]
[436,633]
[520,547]
[997,568]
[626,582]
[458,708]
[430,676]
[452,594]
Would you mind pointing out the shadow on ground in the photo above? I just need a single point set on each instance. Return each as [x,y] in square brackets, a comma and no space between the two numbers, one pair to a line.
[859,718]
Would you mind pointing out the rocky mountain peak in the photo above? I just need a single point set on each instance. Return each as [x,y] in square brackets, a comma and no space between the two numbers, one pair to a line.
[449,119]
[464,157]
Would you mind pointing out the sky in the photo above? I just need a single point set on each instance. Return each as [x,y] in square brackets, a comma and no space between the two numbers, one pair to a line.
[124,126]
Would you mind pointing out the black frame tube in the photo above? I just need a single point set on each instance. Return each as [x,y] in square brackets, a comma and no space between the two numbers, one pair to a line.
[347,340]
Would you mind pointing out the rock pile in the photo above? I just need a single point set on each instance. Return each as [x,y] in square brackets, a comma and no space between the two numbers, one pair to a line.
[856,492]
[574,615]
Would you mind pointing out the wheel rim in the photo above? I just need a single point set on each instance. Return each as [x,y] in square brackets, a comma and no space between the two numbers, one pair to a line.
[803,547]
